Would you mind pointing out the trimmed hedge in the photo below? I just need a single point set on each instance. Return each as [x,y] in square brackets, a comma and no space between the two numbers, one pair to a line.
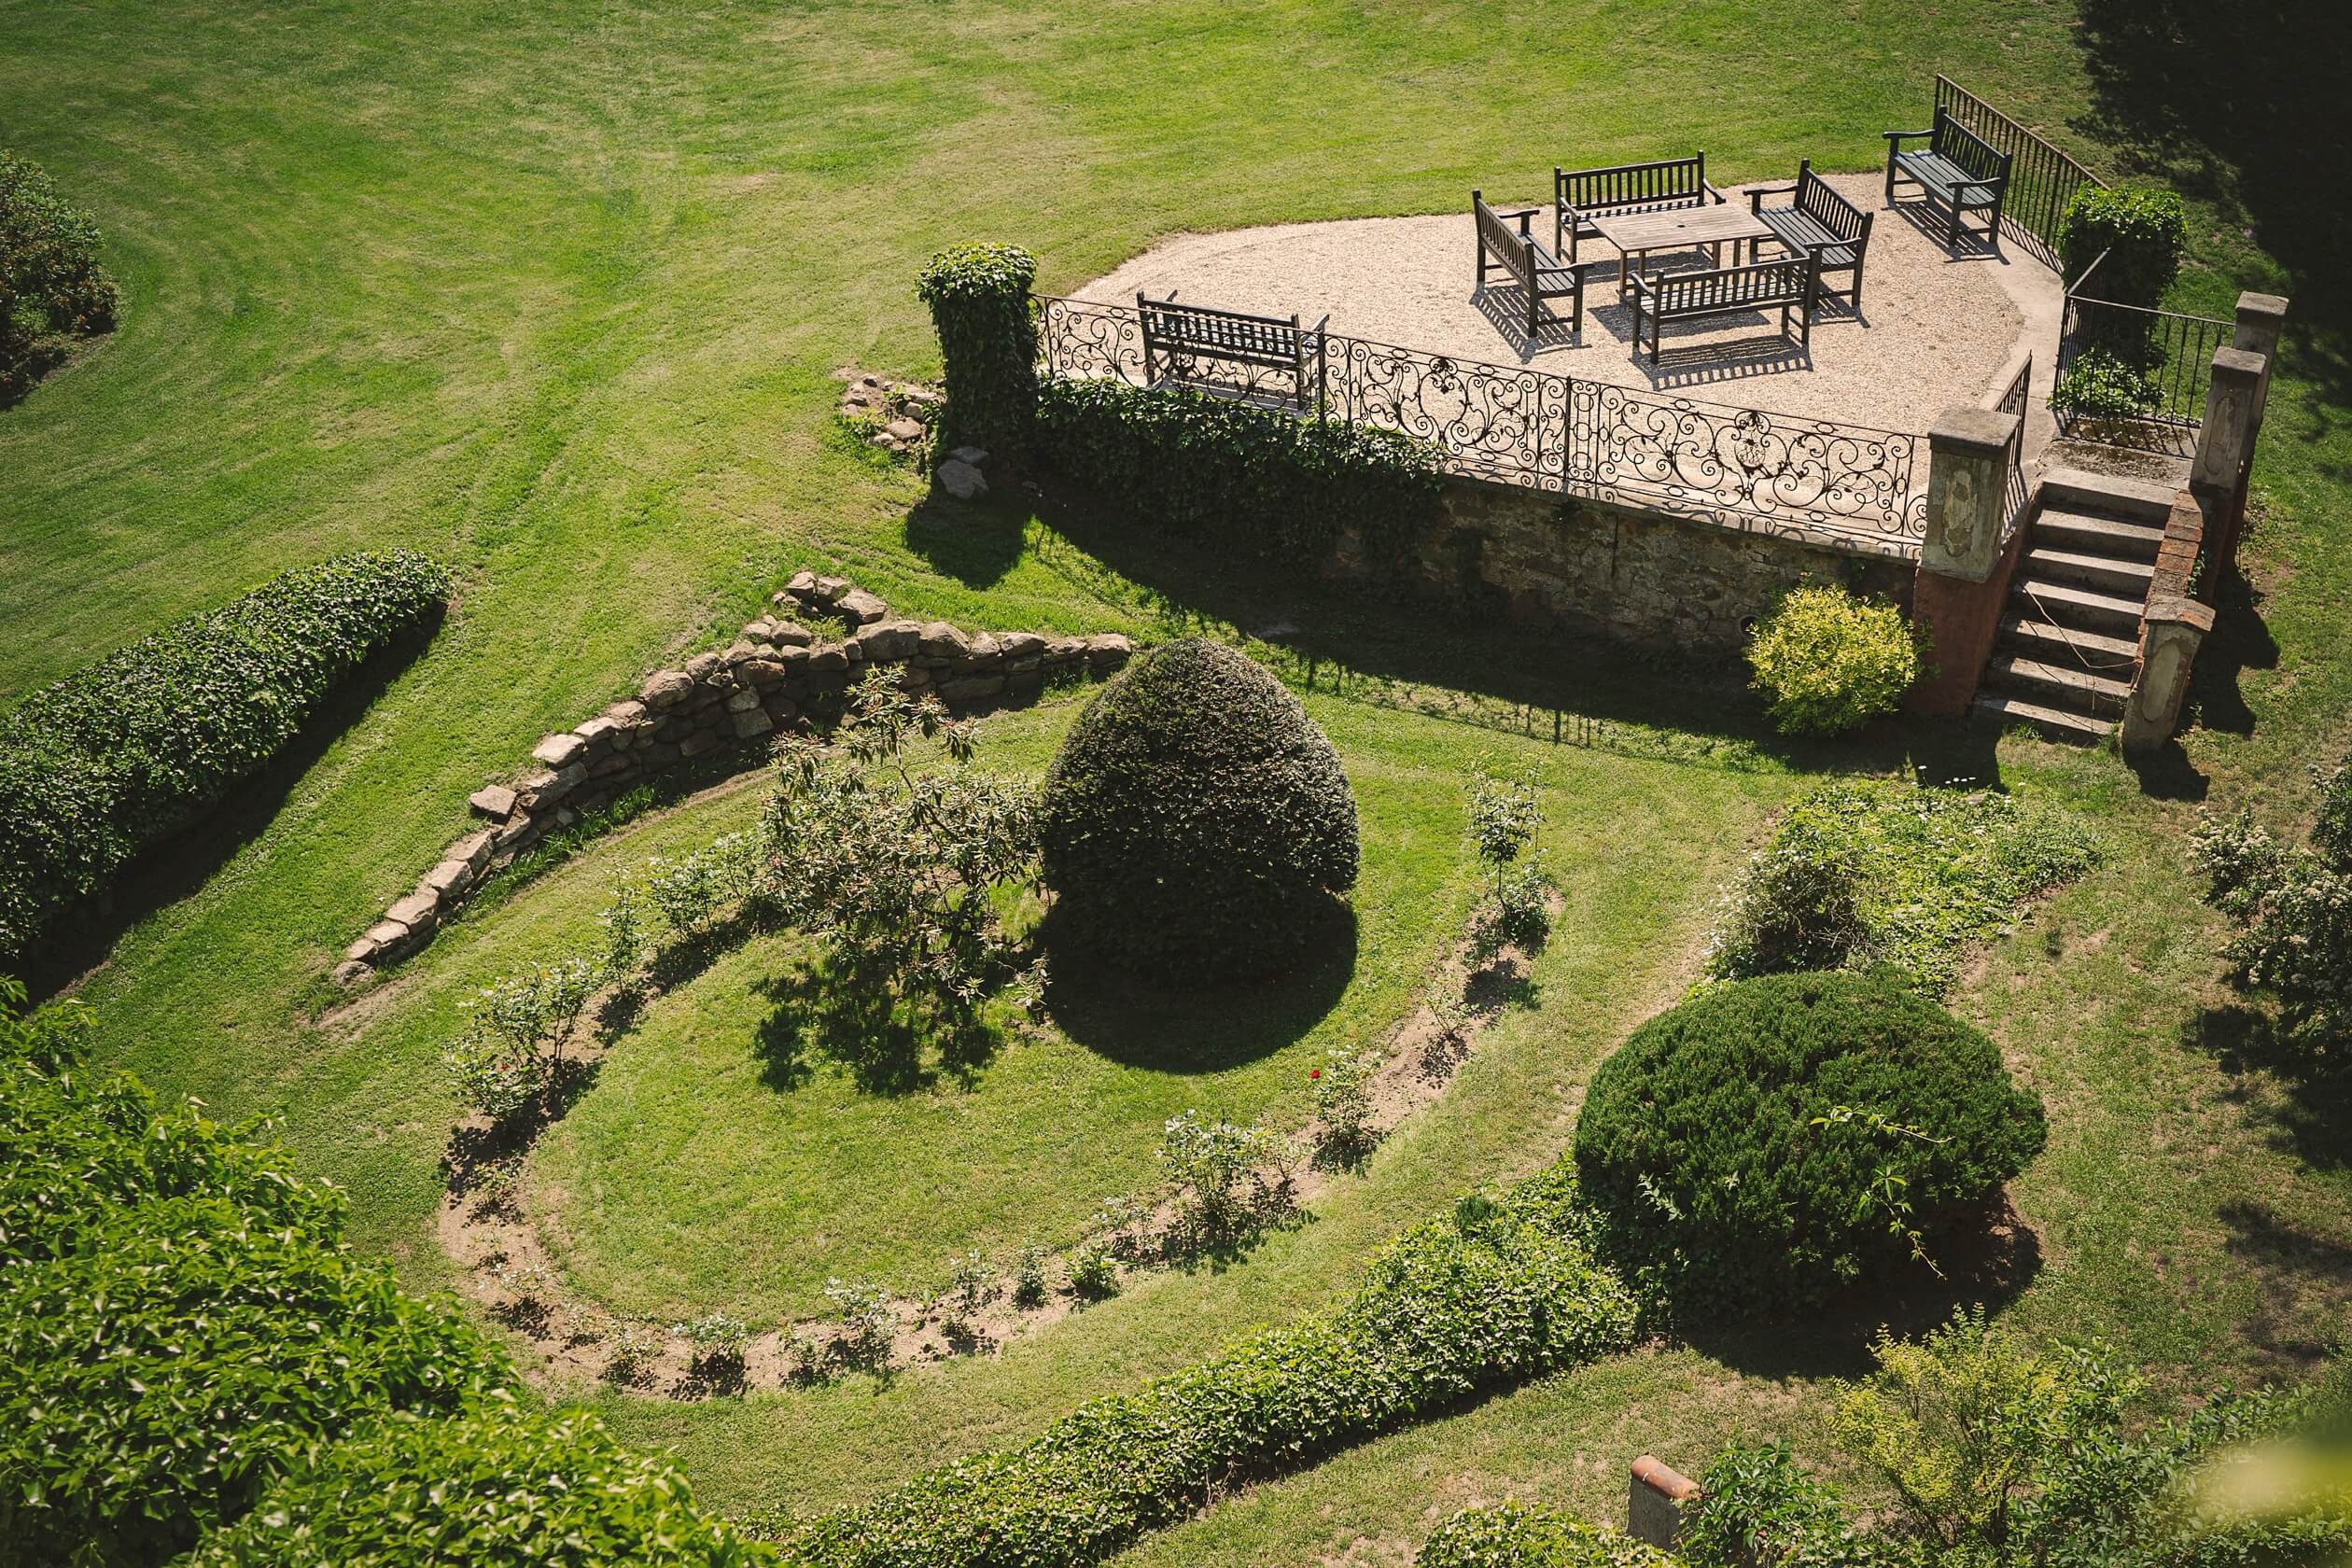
[1771,1141]
[1515,1535]
[1197,821]
[979,299]
[1272,485]
[179,1322]
[494,1489]
[117,756]
[2141,229]
[1503,1290]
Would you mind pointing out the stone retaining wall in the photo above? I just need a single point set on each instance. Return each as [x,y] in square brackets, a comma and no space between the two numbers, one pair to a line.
[1597,568]
[774,676]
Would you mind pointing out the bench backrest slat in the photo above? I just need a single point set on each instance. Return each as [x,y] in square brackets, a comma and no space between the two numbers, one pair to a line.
[1632,184]
[1221,334]
[1825,206]
[1515,250]
[1964,147]
[1763,283]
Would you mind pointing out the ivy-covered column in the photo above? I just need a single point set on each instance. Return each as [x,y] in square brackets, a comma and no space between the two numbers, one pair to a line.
[979,299]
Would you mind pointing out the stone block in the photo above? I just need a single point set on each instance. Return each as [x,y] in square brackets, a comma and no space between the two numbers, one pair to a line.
[613,766]
[828,658]
[860,608]
[1109,650]
[939,640]
[474,849]
[665,689]
[386,934]
[972,689]
[558,749]
[657,754]
[829,589]
[960,479]
[450,879]
[760,672]
[521,829]
[598,733]
[708,669]
[976,455]
[889,641]
[753,722]
[802,586]
[1021,645]
[493,800]
[352,970]
[418,909]
[791,634]
[782,709]
[365,948]
[699,743]
[742,701]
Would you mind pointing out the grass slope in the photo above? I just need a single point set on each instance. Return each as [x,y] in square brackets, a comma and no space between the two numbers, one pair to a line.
[556,293]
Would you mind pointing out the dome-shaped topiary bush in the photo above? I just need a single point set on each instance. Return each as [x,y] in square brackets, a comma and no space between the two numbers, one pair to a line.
[1196,822]
[1771,1141]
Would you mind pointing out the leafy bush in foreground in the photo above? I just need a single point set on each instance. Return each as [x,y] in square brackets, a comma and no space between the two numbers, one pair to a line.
[1196,822]
[1771,1141]
[106,761]
[1515,1535]
[2293,909]
[179,1322]
[1868,873]
[492,1489]
[1832,661]
[1503,1290]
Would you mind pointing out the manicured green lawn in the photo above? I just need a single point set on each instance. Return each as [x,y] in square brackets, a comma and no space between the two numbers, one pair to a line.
[557,292]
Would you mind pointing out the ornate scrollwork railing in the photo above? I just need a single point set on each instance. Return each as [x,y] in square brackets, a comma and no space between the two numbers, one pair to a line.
[1738,467]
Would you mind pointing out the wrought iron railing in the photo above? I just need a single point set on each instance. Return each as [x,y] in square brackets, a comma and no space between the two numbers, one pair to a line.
[2171,349]
[2042,179]
[2015,493]
[1739,468]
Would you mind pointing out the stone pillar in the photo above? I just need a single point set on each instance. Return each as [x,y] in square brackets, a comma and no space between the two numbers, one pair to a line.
[2260,317]
[2232,407]
[1963,571]
[2170,634]
[1654,1508]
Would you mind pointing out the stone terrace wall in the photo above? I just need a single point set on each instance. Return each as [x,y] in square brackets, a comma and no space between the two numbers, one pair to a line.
[1597,568]
[774,676]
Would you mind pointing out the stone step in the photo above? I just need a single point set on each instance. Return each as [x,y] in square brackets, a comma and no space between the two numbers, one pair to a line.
[2095,534]
[2064,686]
[2136,500]
[2108,573]
[2091,651]
[2053,723]
[2070,604]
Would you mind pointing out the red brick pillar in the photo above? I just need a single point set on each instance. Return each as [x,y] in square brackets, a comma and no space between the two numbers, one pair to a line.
[1963,562]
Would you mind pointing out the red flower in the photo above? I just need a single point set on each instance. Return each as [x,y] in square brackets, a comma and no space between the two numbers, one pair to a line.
[1314,1072]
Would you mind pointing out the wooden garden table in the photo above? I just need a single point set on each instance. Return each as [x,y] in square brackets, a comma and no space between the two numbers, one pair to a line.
[1637,235]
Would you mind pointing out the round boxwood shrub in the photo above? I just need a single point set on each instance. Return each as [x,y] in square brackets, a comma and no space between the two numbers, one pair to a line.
[2142,231]
[1773,1140]
[1832,661]
[1197,821]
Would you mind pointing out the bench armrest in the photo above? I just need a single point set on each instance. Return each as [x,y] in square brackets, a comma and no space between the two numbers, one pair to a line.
[1719,196]
[1902,136]
[1643,287]
[1756,194]
[1987,186]
[1517,214]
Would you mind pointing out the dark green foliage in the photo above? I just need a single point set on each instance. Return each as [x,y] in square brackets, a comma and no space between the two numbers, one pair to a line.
[2292,905]
[1197,821]
[51,285]
[113,758]
[494,1488]
[1756,1508]
[1275,486]
[2098,385]
[1504,1289]
[1515,1535]
[179,1321]
[2142,228]
[979,299]
[1770,1140]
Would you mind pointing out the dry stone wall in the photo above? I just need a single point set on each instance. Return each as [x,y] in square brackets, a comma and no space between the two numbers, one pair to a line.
[1594,569]
[779,673]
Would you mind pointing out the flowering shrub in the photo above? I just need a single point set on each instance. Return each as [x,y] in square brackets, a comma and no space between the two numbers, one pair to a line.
[1832,661]
[511,1056]
[2292,906]
[716,1343]
[867,1322]
[1516,912]
[1030,1287]
[1218,1172]
[1455,1307]
[1094,1271]
[1343,1106]
[118,755]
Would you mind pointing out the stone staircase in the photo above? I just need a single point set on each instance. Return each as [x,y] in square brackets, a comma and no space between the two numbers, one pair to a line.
[2068,642]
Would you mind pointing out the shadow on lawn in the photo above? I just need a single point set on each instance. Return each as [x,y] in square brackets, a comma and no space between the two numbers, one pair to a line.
[1988,1260]
[2309,1110]
[182,864]
[1204,1028]
[860,1026]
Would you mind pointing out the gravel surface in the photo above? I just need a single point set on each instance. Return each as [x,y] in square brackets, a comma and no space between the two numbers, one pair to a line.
[1934,329]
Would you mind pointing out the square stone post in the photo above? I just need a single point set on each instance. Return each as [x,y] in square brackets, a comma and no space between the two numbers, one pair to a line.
[2232,407]
[2259,319]
[2170,634]
[1654,1508]
[1963,570]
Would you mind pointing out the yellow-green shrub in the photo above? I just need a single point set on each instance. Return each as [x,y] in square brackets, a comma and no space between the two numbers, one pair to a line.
[1832,661]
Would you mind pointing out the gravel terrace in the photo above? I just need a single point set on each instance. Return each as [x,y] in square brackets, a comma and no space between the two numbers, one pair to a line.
[1936,328]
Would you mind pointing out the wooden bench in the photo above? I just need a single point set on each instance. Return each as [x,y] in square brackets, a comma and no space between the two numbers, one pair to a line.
[1791,283]
[1178,339]
[1819,220]
[1541,273]
[1958,170]
[1580,195]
